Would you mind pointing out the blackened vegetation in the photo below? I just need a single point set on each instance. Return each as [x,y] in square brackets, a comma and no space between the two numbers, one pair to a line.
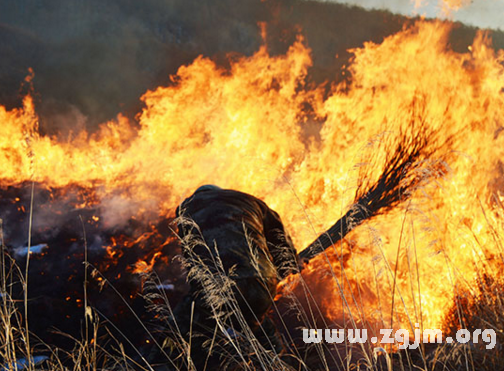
[57,272]
[413,157]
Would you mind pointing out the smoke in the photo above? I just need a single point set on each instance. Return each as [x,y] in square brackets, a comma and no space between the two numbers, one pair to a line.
[100,57]
[94,59]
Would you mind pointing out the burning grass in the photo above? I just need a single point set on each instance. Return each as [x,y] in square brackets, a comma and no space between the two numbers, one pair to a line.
[414,110]
[102,345]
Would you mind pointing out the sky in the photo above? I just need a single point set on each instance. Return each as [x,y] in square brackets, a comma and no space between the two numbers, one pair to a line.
[480,13]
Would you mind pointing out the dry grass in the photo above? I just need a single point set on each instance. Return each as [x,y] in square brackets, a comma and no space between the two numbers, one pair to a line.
[244,351]
[481,308]
[240,349]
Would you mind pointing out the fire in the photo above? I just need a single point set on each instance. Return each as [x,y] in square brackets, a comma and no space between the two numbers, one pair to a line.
[143,267]
[262,128]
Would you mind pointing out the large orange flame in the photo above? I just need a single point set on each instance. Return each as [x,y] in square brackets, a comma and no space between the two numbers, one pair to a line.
[260,128]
